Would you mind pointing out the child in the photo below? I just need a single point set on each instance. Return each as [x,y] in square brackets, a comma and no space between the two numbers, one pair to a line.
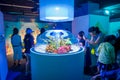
[106,57]
[114,73]
[84,44]
[81,39]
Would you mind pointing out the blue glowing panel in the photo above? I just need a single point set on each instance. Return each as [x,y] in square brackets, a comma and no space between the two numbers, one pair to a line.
[56,11]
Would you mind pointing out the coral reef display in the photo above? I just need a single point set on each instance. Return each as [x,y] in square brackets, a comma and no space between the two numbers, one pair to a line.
[57,42]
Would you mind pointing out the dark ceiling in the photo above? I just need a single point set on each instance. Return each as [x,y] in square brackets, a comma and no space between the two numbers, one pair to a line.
[29,7]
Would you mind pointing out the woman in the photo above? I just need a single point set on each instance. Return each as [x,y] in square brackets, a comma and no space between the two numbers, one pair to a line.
[96,38]
[17,47]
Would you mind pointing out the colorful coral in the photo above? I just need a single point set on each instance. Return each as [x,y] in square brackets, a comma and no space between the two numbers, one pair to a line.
[61,47]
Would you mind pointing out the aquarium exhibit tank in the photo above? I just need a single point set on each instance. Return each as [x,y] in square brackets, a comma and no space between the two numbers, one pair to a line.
[57,56]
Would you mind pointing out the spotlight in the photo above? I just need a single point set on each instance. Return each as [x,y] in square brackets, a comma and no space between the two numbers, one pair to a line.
[107,12]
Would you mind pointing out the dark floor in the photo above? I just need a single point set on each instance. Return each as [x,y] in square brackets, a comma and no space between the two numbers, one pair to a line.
[19,72]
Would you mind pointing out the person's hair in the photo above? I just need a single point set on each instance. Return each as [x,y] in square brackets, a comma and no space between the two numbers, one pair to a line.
[81,33]
[97,30]
[28,31]
[42,30]
[15,31]
[119,30]
[93,28]
[109,38]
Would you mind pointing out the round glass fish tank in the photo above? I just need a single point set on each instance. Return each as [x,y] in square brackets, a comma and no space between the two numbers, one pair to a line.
[57,42]
[57,56]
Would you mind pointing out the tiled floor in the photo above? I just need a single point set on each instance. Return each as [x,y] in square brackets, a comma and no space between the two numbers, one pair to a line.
[19,72]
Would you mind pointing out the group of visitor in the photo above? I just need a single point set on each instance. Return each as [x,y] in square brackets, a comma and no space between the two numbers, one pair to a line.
[28,42]
[101,51]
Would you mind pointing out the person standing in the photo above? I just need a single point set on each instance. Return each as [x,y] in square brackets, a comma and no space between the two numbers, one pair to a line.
[42,30]
[96,37]
[28,44]
[17,47]
[83,43]
[28,40]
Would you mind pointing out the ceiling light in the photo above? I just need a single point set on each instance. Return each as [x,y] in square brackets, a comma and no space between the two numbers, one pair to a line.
[107,12]
[56,10]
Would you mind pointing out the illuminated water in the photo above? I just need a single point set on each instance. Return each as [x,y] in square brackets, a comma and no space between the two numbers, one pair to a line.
[42,48]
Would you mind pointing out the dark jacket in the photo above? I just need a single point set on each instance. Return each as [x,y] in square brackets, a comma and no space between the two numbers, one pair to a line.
[28,42]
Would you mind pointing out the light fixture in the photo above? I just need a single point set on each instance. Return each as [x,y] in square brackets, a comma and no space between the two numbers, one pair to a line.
[56,10]
[107,12]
